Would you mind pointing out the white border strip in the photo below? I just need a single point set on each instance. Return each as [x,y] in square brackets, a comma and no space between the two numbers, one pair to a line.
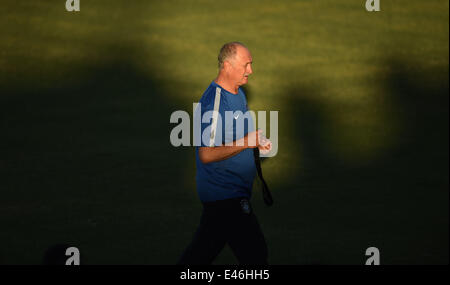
[214,118]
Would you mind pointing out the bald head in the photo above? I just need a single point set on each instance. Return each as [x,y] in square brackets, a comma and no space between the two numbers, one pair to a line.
[235,65]
[228,52]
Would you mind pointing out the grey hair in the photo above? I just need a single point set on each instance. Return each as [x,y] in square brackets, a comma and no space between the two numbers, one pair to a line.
[227,51]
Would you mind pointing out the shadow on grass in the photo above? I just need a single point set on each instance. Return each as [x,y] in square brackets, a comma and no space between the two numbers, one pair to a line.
[91,164]
[331,209]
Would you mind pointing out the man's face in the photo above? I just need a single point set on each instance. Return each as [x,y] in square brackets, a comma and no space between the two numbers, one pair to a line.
[240,66]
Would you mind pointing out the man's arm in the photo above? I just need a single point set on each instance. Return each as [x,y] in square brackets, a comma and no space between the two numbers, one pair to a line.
[213,154]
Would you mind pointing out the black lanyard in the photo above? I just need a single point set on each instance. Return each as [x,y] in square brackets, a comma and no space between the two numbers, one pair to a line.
[265,189]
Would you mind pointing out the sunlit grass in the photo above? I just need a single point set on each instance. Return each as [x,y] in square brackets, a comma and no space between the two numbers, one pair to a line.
[328,59]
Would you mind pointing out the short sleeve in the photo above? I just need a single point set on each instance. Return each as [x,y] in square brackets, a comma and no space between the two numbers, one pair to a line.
[211,111]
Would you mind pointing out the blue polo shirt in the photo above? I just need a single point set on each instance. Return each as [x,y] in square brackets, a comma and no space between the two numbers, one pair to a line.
[232,177]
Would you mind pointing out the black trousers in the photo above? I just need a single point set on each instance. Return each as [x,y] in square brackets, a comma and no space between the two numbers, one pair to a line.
[231,222]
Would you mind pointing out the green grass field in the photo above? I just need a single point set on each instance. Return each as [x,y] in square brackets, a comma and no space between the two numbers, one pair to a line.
[86,97]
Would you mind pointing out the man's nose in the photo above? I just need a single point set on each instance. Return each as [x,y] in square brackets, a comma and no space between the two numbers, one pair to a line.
[249,70]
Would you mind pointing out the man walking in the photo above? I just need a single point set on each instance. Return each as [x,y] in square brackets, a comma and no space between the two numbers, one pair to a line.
[226,167]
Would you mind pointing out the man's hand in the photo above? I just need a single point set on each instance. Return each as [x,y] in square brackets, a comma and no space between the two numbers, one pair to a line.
[212,154]
[257,139]
[251,140]
[265,145]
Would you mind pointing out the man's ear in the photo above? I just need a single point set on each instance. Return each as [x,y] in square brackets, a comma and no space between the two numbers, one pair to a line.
[227,65]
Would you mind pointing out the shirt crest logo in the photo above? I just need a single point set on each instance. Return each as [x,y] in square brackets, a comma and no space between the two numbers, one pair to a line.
[245,206]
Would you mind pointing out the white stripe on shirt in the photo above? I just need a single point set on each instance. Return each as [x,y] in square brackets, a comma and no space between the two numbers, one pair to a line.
[214,118]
